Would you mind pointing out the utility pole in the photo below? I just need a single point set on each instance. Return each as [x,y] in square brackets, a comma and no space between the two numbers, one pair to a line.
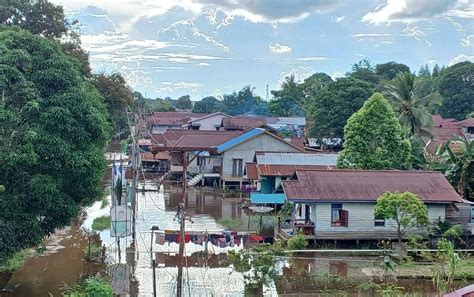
[135,156]
[181,218]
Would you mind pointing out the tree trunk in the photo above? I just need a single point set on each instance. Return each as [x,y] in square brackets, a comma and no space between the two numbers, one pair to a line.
[399,234]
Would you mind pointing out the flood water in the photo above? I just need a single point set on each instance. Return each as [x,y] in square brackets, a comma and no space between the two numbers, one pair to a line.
[209,275]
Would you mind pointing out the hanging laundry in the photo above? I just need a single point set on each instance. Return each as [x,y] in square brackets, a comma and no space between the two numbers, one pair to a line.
[160,238]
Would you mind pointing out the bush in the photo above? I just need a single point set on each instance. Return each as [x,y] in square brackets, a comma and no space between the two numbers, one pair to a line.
[229,223]
[101,223]
[297,242]
[15,262]
[89,287]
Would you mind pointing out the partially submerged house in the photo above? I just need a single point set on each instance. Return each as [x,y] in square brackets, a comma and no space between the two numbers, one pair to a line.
[219,155]
[268,169]
[340,204]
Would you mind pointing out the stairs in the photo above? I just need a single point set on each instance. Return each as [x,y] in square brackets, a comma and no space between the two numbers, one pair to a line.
[195,180]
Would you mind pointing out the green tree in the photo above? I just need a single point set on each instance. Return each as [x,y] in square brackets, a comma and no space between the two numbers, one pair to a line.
[184,102]
[436,71]
[117,97]
[242,102]
[208,105]
[289,100]
[335,103]
[388,71]
[405,209]
[364,70]
[412,111]
[456,86]
[456,160]
[39,17]
[53,133]
[374,138]
[424,71]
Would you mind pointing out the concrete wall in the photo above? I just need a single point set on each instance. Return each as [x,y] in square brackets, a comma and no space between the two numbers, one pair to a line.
[210,162]
[246,151]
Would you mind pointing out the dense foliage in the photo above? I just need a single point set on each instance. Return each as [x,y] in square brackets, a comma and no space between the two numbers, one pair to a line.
[208,105]
[456,86]
[117,97]
[184,102]
[406,210]
[374,138]
[244,101]
[53,132]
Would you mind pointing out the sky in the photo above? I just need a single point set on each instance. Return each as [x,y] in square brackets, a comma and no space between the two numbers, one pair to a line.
[213,47]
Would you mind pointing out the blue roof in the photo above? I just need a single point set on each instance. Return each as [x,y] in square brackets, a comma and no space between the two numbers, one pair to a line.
[258,198]
[239,139]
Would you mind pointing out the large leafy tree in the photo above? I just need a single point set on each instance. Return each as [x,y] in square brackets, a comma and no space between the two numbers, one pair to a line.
[184,102]
[53,132]
[412,111]
[374,138]
[289,100]
[406,210]
[330,108]
[243,101]
[456,85]
[388,71]
[209,105]
[364,70]
[117,96]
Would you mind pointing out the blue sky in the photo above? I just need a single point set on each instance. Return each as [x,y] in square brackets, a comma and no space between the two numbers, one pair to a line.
[210,47]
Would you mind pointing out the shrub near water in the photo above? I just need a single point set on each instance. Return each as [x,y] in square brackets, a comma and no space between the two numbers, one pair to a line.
[297,242]
[91,287]
[101,223]
[15,262]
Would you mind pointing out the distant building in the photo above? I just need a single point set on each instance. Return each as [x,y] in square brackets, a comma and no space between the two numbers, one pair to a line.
[445,129]
[159,122]
[208,122]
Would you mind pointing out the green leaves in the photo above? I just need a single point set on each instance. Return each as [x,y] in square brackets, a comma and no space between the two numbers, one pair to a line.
[374,138]
[405,209]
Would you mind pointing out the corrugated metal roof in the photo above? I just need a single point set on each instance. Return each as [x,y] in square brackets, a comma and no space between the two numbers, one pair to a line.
[258,198]
[239,139]
[285,170]
[296,159]
[242,123]
[367,185]
[300,121]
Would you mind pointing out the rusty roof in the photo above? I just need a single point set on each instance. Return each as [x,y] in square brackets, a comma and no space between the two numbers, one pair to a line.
[192,139]
[368,185]
[242,123]
[251,171]
[146,156]
[286,170]
[171,118]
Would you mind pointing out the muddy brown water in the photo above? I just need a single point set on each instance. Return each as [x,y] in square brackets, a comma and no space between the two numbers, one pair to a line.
[63,262]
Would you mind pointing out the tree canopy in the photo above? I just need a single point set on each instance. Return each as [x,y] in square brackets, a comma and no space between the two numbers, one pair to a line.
[406,210]
[456,86]
[374,139]
[117,97]
[389,70]
[289,100]
[330,108]
[208,105]
[52,139]
[184,102]
[244,101]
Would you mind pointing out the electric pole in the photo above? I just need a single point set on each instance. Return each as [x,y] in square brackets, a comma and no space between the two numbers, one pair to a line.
[135,157]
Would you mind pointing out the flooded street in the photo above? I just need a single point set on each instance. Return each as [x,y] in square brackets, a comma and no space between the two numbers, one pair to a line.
[203,274]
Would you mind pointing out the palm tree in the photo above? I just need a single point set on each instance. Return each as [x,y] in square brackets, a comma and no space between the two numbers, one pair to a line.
[413,112]
[455,158]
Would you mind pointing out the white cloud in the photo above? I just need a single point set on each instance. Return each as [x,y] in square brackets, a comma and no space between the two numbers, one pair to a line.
[363,35]
[315,58]
[273,11]
[412,10]
[461,58]
[181,85]
[340,18]
[203,64]
[280,48]
[416,33]
[300,73]
[468,41]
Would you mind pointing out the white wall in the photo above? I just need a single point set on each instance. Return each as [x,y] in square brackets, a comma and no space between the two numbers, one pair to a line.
[246,150]
[210,123]
[208,168]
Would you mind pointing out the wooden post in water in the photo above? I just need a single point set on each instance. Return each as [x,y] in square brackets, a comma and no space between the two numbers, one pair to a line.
[181,217]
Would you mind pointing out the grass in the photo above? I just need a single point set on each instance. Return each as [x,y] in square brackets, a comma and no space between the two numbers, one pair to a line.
[101,223]
[229,223]
[91,286]
[105,202]
[15,262]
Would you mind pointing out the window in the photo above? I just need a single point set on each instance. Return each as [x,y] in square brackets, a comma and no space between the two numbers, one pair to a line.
[379,222]
[201,161]
[339,217]
[237,167]
[472,214]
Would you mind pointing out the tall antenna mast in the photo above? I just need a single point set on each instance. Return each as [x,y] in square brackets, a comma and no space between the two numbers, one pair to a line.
[267,97]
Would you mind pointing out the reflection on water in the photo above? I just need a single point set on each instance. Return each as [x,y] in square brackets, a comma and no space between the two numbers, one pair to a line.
[203,274]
